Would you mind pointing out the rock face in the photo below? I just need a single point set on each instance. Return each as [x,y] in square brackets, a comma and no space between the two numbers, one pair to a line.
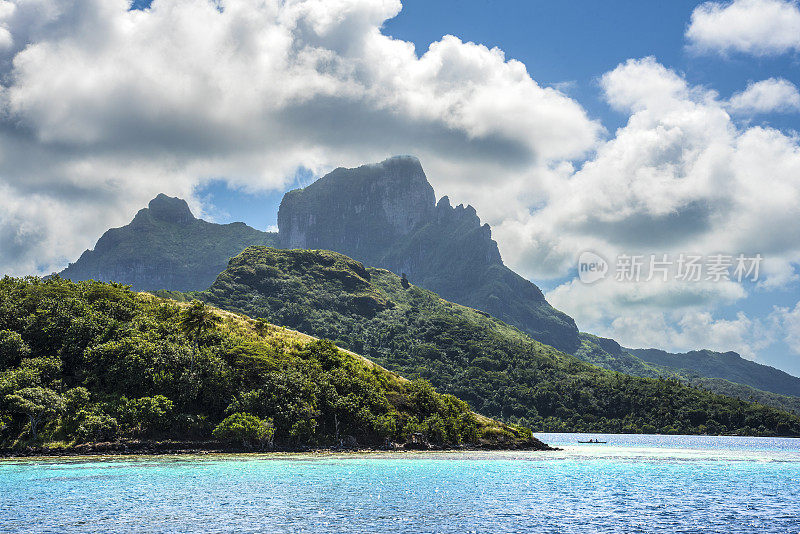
[165,247]
[357,212]
[385,215]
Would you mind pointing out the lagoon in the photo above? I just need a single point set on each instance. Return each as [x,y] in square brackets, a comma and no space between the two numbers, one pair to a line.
[635,483]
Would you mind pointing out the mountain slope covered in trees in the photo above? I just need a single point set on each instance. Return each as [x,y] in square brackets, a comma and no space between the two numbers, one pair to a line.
[92,361]
[724,365]
[498,369]
[726,374]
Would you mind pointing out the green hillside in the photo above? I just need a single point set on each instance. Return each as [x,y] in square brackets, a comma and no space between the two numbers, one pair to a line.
[92,361]
[725,365]
[500,371]
[608,354]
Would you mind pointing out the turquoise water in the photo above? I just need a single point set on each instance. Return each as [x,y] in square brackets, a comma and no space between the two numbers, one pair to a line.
[633,484]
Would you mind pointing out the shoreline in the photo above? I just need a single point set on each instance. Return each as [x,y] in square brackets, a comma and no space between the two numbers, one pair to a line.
[199,448]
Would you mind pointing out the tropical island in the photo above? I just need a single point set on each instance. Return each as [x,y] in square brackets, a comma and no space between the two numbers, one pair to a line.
[413,335]
[95,362]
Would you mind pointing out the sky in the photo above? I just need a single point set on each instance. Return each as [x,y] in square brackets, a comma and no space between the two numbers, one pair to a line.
[628,129]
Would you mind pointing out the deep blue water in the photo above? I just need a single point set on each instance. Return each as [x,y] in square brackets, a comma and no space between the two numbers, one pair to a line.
[633,484]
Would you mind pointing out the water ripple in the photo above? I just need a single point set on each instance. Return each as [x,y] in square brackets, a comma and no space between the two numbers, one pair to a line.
[670,484]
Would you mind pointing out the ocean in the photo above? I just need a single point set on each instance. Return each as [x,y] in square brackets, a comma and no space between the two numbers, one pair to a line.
[634,483]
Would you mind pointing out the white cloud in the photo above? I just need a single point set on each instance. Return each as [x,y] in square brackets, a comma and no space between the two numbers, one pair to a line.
[669,316]
[757,27]
[766,96]
[787,322]
[111,106]
[694,330]
[679,177]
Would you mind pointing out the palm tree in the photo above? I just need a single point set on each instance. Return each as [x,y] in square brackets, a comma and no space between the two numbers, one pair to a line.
[196,320]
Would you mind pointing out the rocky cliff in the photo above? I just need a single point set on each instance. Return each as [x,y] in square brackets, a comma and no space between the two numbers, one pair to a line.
[385,215]
[165,247]
[358,212]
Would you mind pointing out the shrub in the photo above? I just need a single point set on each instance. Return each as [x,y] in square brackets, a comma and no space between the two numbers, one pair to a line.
[147,415]
[246,429]
[12,349]
[97,427]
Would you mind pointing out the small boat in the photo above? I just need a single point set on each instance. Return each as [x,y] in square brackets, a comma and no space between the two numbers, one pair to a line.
[592,441]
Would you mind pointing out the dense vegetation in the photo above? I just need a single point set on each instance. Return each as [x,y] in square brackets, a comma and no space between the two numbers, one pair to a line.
[608,354]
[726,365]
[92,361]
[499,370]
[788,403]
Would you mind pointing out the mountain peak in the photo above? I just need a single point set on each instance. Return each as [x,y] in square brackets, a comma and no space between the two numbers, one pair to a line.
[165,247]
[357,211]
[170,209]
[403,161]
[399,174]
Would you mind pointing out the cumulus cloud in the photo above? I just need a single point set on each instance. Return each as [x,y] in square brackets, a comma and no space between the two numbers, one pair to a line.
[766,96]
[681,177]
[787,321]
[757,27]
[693,330]
[671,316]
[111,106]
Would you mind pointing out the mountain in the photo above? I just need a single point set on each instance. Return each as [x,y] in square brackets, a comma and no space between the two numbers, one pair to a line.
[725,365]
[91,361]
[498,369]
[165,247]
[386,215]
[726,374]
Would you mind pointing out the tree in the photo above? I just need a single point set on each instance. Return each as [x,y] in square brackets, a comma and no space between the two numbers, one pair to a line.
[37,403]
[196,320]
[146,415]
[12,349]
[262,327]
[245,428]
